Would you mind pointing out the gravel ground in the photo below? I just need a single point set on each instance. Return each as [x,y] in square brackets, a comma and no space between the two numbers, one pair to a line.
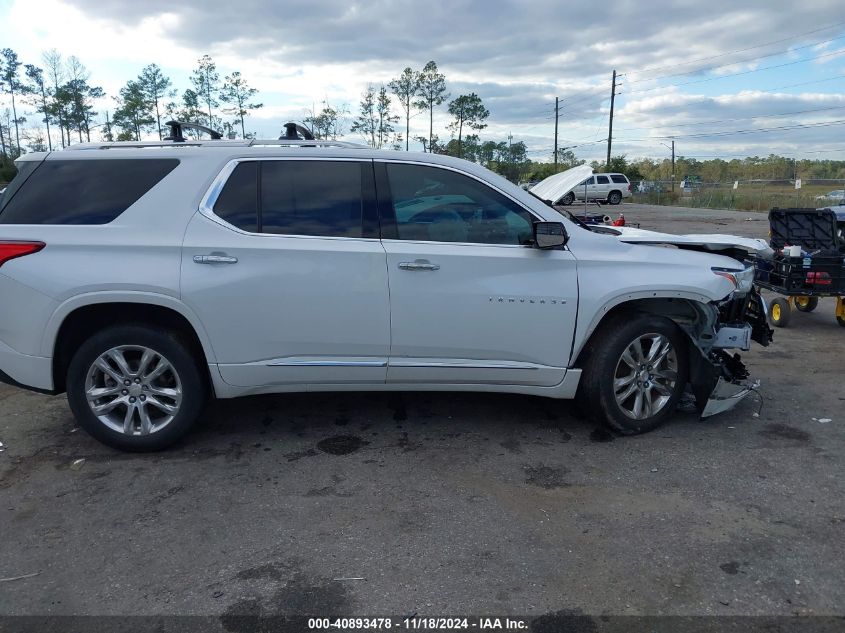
[444,503]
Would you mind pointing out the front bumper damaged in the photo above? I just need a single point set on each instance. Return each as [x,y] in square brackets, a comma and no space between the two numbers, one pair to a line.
[726,395]
[719,379]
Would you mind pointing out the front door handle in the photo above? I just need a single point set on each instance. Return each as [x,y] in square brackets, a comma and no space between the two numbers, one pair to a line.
[419,264]
[215,259]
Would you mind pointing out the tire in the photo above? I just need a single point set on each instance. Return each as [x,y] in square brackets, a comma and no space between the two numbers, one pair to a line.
[568,199]
[806,304]
[614,197]
[841,321]
[602,392]
[170,386]
[779,312]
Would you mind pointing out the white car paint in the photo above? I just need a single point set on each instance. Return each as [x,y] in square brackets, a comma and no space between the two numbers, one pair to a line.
[302,313]
[708,241]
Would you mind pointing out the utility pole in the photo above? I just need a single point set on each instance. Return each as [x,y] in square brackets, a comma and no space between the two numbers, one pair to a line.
[556,118]
[673,165]
[610,128]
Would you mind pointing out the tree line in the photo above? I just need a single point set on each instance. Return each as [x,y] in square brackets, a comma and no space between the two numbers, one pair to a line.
[63,99]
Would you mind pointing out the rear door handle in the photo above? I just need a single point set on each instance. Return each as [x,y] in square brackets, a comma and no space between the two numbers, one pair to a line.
[215,259]
[419,264]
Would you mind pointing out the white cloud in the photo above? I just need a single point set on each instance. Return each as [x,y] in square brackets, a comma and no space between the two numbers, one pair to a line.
[517,56]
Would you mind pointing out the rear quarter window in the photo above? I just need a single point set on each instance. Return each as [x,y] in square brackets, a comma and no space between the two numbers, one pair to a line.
[619,178]
[83,191]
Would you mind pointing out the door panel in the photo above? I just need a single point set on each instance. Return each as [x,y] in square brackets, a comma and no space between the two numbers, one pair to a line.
[291,309]
[498,314]
[471,302]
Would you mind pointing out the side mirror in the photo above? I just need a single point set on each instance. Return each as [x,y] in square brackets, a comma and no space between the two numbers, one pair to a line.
[549,234]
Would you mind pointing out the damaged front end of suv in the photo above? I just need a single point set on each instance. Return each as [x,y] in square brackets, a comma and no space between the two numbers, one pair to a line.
[718,378]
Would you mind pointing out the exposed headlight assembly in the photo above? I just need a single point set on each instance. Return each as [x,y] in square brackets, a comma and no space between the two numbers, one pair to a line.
[743,280]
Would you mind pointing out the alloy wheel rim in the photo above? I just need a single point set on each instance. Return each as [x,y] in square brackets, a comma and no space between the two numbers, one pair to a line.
[133,390]
[645,376]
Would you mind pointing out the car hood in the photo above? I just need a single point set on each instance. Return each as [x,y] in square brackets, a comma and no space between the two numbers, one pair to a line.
[556,186]
[706,242]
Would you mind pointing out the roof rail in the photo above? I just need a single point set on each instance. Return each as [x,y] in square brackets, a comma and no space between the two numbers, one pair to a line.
[250,142]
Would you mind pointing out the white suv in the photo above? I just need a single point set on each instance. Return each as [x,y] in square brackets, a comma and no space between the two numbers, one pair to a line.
[609,188]
[142,278]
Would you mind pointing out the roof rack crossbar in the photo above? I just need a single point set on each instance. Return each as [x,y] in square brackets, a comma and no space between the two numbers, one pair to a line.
[176,131]
[295,131]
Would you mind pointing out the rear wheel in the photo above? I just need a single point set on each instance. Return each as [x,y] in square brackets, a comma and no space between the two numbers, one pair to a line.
[779,312]
[135,388]
[614,197]
[635,373]
[806,304]
[568,199]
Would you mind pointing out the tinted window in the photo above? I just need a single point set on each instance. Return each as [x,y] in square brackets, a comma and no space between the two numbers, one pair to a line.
[440,205]
[83,191]
[602,180]
[238,200]
[619,178]
[312,198]
[25,168]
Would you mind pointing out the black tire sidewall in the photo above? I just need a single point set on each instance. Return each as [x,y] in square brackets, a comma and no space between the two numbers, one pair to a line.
[785,312]
[599,395]
[171,347]
[812,304]
[614,198]
[568,199]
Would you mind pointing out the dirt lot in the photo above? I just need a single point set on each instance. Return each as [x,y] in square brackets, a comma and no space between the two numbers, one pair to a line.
[439,503]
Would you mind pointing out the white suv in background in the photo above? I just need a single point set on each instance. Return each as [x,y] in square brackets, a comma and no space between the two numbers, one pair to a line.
[609,188]
[142,278]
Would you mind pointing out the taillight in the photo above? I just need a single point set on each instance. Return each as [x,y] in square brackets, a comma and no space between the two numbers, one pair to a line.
[11,250]
[818,279]
[629,187]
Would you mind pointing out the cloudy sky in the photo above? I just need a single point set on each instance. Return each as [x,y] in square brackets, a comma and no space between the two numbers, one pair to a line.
[712,75]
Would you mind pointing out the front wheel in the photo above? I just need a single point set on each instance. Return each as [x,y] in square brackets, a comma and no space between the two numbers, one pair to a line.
[779,312]
[135,388]
[635,373]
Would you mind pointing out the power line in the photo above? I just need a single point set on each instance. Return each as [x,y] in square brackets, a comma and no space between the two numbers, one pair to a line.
[744,118]
[740,50]
[805,83]
[741,61]
[738,132]
[737,74]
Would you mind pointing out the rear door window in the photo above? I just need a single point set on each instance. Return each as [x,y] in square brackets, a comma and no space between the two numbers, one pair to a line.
[321,198]
[237,203]
[83,191]
[602,180]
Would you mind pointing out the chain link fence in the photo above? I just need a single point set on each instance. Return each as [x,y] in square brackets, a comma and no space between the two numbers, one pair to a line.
[744,195]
